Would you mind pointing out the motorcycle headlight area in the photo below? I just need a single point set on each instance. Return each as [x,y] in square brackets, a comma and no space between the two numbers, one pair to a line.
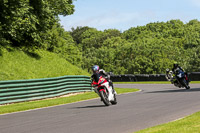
[101,81]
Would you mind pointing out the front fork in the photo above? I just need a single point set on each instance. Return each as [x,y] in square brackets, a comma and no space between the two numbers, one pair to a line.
[109,90]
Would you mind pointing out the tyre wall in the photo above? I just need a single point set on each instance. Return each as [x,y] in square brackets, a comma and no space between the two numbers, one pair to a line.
[194,76]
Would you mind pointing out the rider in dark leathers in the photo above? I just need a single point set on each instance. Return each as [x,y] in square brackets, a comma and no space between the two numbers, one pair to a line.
[100,72]
[176,67]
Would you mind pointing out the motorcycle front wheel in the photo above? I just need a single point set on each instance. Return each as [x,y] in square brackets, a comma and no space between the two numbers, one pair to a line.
[104,98]
[185,84]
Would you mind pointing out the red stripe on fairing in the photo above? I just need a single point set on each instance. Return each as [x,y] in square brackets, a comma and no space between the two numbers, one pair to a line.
[102,90]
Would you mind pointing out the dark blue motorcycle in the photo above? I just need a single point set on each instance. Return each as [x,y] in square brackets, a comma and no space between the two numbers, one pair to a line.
[181,79]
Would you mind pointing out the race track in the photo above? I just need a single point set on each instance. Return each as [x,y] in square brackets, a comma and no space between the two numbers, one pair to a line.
[155,104]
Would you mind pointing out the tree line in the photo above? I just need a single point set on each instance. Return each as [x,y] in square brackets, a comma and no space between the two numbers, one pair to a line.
[149,49]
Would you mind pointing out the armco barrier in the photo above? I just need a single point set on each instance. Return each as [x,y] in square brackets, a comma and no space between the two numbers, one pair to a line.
[151,77]
[122,78]
[194,76]
[138,77]
[25,90]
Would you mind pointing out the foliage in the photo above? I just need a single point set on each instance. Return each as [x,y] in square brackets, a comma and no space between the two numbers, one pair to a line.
[146,49]
[23,21]
[61,42]
[76,33]
[33,24]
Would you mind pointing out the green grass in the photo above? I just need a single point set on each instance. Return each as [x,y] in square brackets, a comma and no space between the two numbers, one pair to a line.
[195,82]
[189,124]
[56,101]
[20,65]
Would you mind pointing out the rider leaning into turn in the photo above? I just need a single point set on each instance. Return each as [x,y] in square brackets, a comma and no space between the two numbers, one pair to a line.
[177,67]
[100,72]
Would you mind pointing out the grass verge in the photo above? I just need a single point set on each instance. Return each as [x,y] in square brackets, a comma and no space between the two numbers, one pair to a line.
[56,101]
[189,124]
[16,65]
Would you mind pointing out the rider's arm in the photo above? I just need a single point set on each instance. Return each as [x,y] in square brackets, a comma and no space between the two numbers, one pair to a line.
[105,74]
[181,69]
[92,77]
[102,72]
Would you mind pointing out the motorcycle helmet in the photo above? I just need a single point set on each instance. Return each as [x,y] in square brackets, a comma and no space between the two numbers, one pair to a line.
[175,65]
[95,68]
[167,70]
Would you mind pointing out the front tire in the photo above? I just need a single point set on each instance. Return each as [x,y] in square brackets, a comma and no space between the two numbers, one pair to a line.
[104,98]
[185,84]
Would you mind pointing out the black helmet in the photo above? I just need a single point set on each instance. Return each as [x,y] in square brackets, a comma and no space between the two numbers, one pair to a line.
[175,65]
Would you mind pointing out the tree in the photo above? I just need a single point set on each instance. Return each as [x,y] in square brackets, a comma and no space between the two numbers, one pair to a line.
[146,49]
[76,33]
[59,41]
[23,22]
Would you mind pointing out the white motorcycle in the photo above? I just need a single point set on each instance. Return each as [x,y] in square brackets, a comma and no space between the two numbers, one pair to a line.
[106,92]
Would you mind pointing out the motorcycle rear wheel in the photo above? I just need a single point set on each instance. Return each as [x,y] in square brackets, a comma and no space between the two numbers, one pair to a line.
[115,100]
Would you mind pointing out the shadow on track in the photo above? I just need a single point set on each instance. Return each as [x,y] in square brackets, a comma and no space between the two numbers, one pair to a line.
[94,106]
[177,90]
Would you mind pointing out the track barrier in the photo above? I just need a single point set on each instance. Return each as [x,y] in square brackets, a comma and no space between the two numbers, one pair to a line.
[12,91]
[194,76]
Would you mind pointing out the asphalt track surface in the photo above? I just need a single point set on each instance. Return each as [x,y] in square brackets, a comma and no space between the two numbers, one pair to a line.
[155,104]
